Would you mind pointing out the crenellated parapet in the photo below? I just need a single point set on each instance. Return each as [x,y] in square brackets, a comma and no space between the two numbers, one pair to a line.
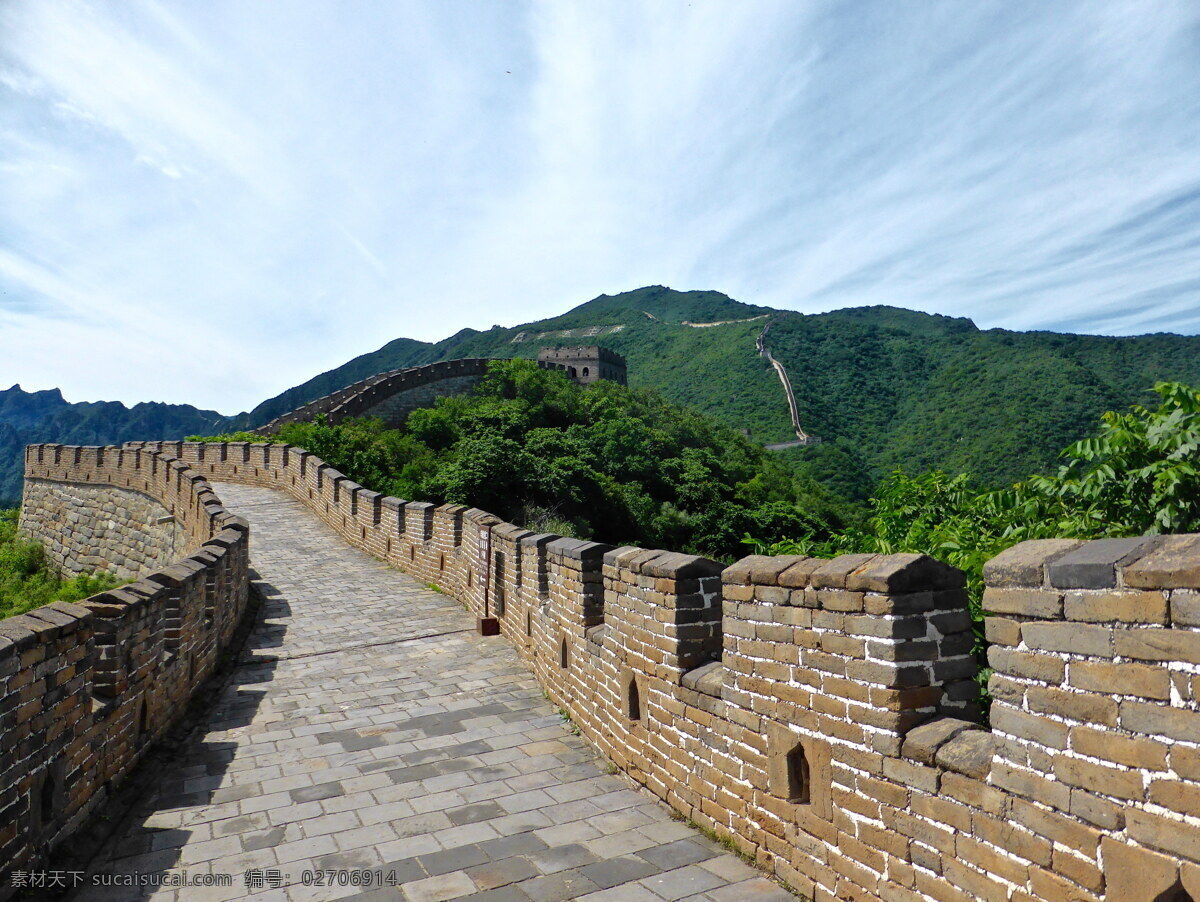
[822,714]
[1096,653]
[390,396]
[86,688]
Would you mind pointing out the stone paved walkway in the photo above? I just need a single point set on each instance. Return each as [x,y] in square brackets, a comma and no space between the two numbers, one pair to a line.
[368,727]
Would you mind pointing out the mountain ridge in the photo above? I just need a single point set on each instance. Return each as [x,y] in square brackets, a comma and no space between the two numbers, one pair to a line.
[883,386]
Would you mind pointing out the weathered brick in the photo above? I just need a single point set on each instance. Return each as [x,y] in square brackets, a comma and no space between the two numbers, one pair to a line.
[1176,795]
[1173,564]
[1158,645]
[895,573]
[914,775]
[1041,730]
[1069,637]
[1163,833]
[1094,810]
[1127,606]
[1078,870]
[1094,564]
[1185,607]
[1135,874]
[1024,564]
[921,743]
[1107,745]
[971,850]
[1055,826]
[1046,668]
[1160,720]
[1045,604]
[1109,781]
[1031,786]
[1082,706]
[1123,679]
[834,573]
[1185,761]
[1001,631]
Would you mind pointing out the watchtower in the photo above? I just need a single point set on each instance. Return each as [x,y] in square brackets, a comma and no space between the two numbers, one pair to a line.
[584,365]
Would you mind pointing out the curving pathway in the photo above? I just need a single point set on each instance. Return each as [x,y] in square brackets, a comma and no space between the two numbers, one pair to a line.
[368,728]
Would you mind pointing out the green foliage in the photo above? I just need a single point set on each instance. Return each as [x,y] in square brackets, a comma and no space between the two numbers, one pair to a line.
[604,462]
[903,389]
[883,387]
[26,579]
[1140,475]
[238,436]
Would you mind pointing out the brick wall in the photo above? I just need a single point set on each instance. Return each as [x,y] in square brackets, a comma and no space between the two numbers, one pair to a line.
[821,713]
[86,688]
[87,528]
[396,407]
[393,395]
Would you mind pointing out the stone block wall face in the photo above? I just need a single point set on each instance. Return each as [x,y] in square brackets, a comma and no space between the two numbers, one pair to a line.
[393,395]
[1096,652]
[88,528]
[584,364]
[395,408]
[86,688]
[822,713]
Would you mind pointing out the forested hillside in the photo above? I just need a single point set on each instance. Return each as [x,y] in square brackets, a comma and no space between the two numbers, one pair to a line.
[890,388]
[882,387]
[603,462]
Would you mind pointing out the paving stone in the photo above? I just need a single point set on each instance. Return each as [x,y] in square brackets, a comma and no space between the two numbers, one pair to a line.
[404,870]
[614,871]
[517,844]
[452,859]
[503,894]
[501,873]
[558,887]
[440,888]
[471,814]
[315,793]
[757,889]
[560,858]
[678,853]
[435,757]
[685,881]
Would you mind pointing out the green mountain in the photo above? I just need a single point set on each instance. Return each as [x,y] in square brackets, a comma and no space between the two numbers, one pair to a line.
[395,354]
[713,368]
[922,392]
[881,386]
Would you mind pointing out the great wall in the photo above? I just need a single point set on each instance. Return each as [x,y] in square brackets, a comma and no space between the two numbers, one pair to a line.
[802,437]
[819,715]
[391,396]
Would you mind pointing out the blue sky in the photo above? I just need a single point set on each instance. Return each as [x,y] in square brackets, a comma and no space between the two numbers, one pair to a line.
[208,202]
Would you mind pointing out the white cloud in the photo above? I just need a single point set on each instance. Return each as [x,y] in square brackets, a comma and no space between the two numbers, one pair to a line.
[236,195]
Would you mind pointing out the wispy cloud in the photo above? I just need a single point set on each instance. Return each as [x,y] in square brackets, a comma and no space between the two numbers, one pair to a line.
[234,195]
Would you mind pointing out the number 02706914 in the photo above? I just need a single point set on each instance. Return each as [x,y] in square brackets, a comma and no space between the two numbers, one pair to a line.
[350,877]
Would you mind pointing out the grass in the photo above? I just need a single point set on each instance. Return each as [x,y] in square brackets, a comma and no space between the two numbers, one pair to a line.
[729,844]
[571,726]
